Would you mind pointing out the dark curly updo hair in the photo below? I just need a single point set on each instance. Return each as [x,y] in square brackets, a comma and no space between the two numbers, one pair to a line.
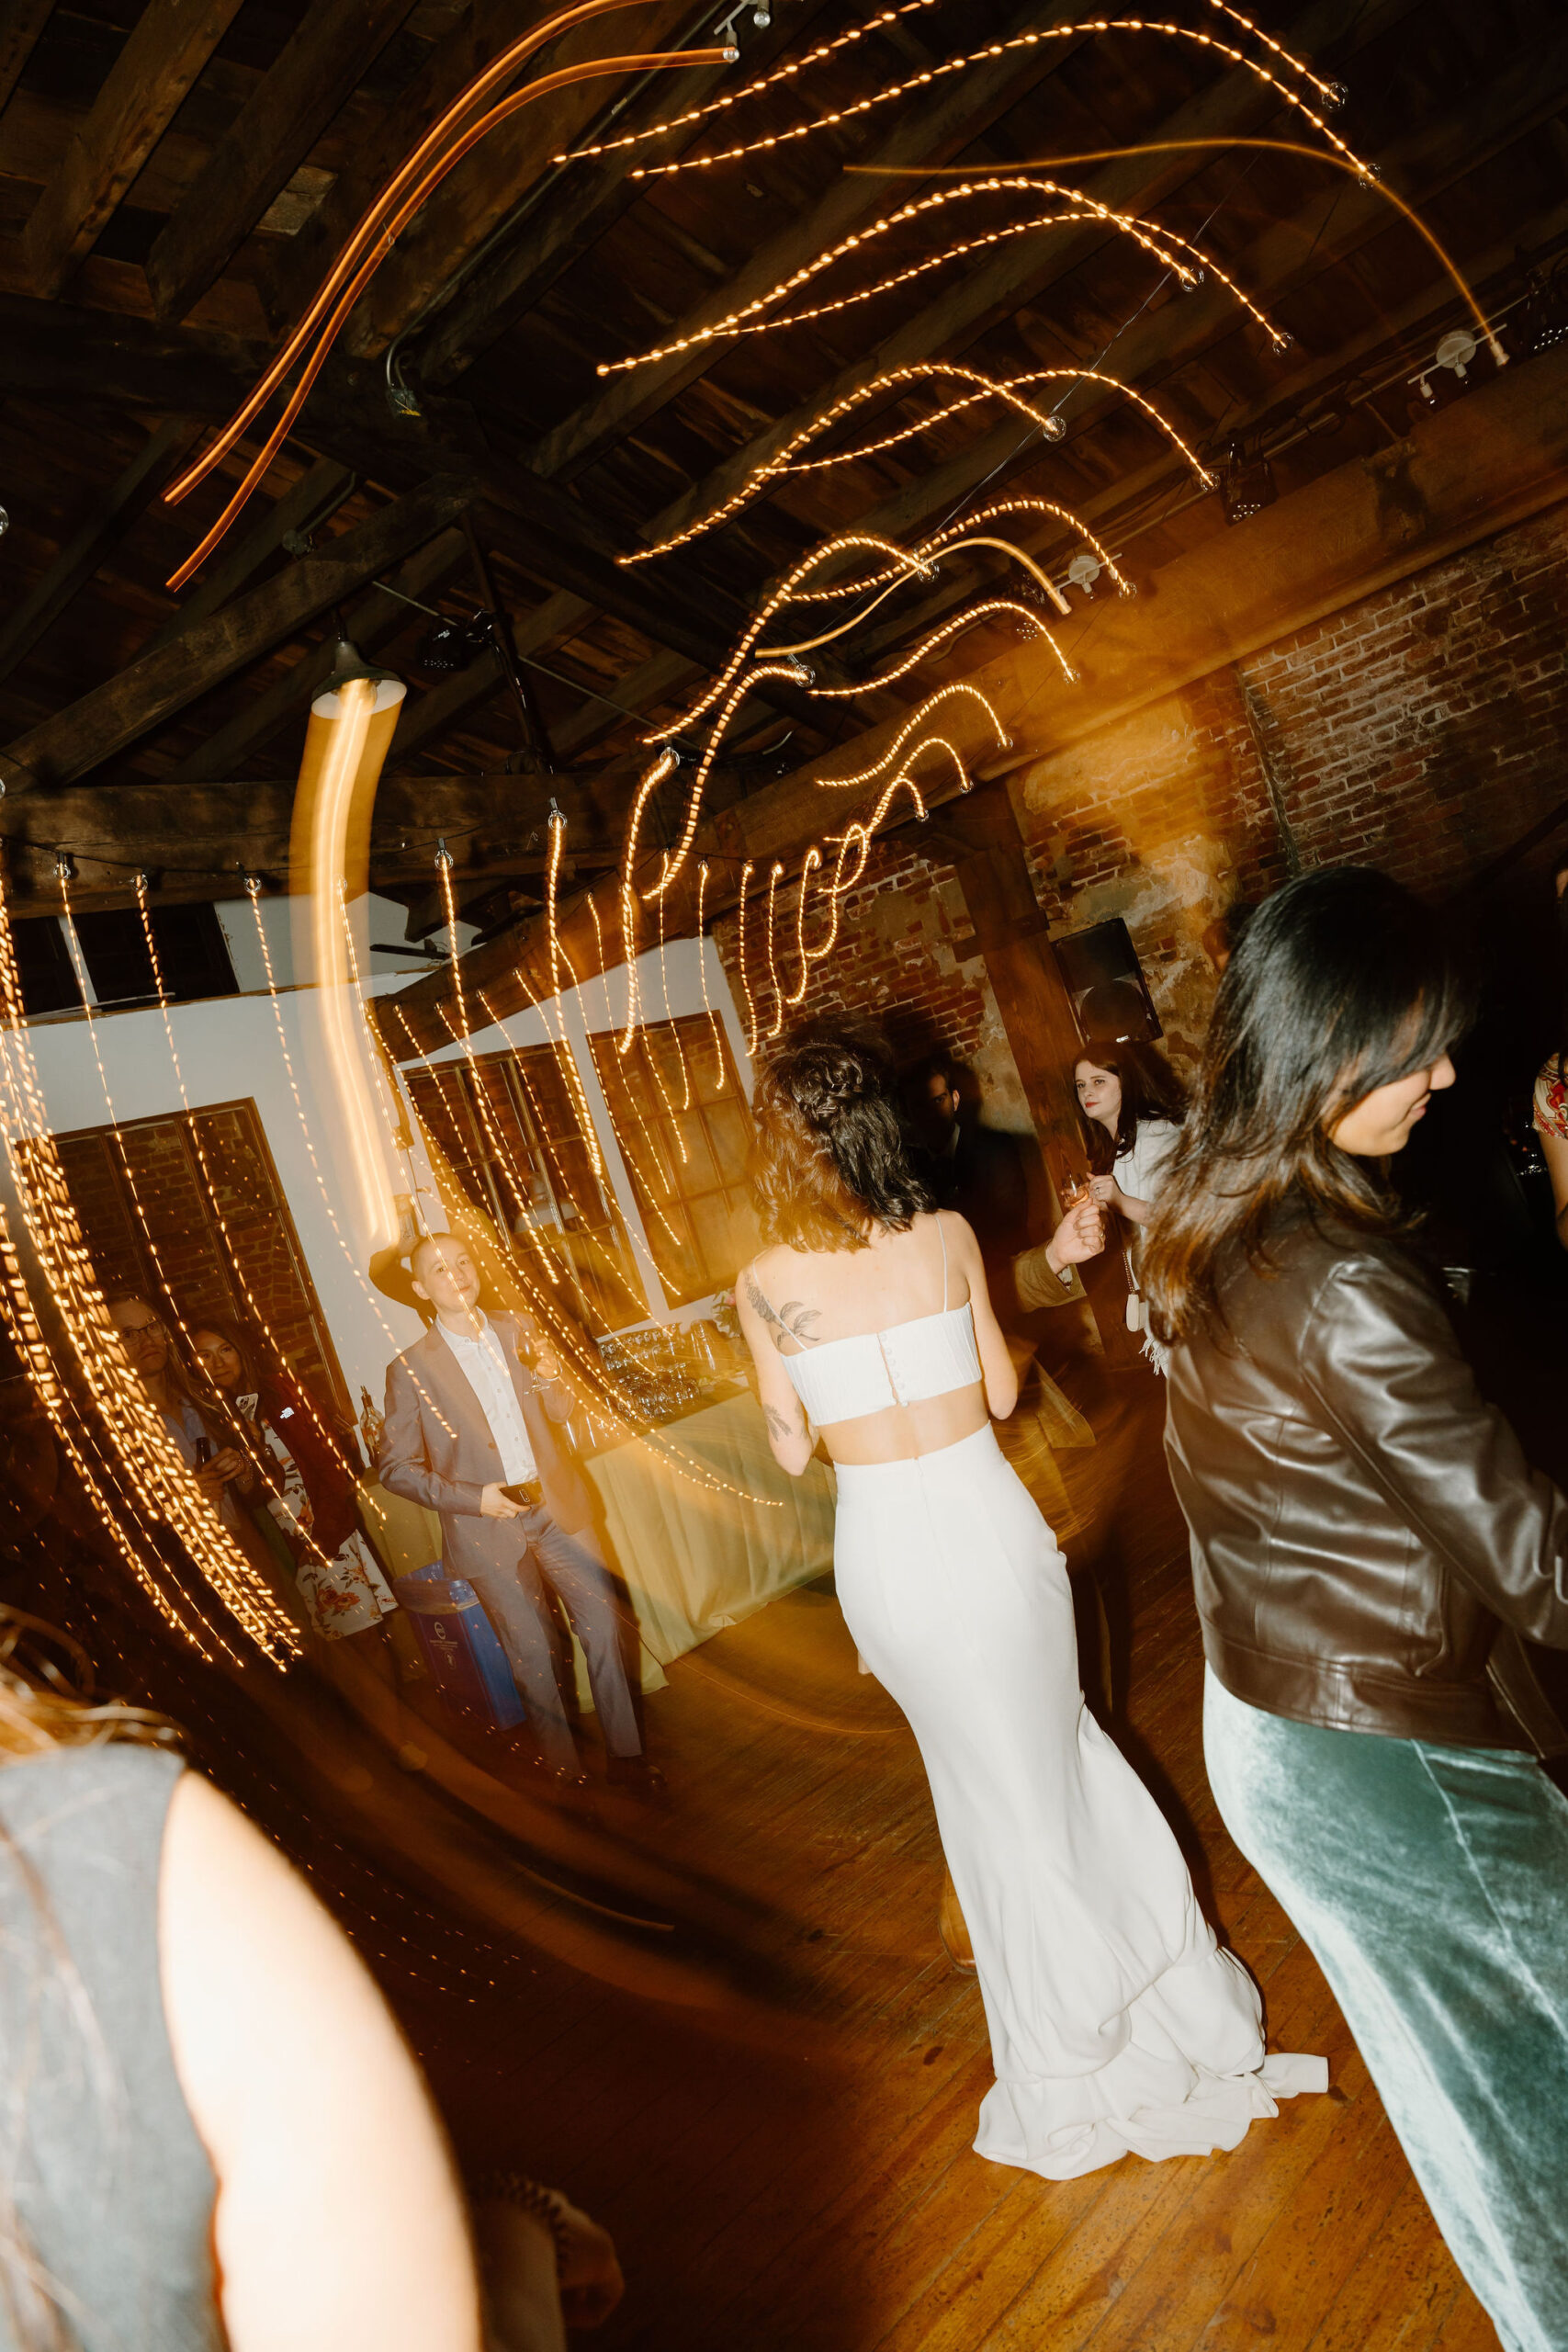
[830,1159]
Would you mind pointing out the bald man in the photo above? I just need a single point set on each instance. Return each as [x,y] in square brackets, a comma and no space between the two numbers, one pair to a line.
[470,1431]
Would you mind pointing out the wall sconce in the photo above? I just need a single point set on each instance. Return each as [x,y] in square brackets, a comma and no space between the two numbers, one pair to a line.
[1246,483]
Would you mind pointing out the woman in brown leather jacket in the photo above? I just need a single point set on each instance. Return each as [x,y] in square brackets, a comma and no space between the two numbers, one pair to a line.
[1369,1544]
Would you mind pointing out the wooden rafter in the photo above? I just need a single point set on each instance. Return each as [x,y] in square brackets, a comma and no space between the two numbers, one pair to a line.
[957,112]
[111,517]
[56,351]
[1235,105]
[21,21]
[165,51]
[337,42]
[157,684]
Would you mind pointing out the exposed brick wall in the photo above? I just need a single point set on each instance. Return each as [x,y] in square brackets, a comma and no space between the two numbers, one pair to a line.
[894,961]
[1422,730]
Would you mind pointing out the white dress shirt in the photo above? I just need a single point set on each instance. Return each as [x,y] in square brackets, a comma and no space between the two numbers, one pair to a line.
[484,1366]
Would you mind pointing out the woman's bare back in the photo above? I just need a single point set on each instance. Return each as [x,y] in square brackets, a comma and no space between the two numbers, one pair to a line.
[794,1301]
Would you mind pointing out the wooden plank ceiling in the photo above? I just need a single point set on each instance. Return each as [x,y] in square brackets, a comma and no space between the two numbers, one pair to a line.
[175,176]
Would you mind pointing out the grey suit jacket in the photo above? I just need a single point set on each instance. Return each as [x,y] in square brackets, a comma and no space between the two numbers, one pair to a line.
[438,1450]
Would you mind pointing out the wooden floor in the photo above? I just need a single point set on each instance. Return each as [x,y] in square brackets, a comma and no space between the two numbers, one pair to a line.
[797,2171]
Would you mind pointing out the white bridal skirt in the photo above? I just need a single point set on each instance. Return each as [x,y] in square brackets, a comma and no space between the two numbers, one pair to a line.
[1117,2024]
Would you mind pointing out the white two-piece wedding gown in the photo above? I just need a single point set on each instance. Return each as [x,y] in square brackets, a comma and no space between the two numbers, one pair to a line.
[1116,2021]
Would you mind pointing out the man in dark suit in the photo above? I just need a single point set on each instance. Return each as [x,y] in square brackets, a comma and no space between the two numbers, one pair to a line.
[471,1431]
[974,1169]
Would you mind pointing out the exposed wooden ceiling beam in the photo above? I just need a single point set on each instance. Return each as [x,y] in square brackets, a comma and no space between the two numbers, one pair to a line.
[194,842]
[112,516]
[335,46]
[1233,106]
[515,156]
[1466,473]
[21,21]
[369,623]
[312,495]
[926,132]
[117,713]
[165,51]
[58,352]
[588,200]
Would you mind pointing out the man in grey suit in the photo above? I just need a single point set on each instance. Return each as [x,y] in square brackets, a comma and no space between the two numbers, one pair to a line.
[470,1431]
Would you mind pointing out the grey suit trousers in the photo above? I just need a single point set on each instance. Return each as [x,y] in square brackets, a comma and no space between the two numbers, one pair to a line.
[516,1604]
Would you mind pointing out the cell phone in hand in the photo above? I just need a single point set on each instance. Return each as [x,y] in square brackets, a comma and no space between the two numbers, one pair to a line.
[203,1451]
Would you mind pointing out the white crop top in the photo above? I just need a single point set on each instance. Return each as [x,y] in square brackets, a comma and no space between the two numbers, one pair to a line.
[839,1380]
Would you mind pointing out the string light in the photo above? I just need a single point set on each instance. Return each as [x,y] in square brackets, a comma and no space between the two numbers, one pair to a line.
[1000,48]
[774,879]
[968,619]
[662,766]
[719,1053]
[957,688]
[61,1259]
[812,860]
[746,873]
[1052,427]
[1148,234]
[674,1029]
[1367,175]
[784,72]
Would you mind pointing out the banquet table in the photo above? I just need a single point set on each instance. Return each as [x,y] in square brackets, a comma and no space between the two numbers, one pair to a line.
[704,1525]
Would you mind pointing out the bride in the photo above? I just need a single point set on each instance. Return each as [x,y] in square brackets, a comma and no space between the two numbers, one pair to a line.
[1116,2021]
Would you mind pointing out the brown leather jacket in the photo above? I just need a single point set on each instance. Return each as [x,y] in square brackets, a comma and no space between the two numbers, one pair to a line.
[1367,1539]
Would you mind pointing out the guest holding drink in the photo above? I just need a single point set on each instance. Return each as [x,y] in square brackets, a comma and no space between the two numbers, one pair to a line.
[1130,1109]
[1369,1544]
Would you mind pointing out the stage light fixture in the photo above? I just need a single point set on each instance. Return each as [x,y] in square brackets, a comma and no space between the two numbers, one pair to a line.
[456,645]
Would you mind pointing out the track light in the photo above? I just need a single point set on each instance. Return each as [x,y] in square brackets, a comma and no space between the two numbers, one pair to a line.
[1246,483]
[1084,570]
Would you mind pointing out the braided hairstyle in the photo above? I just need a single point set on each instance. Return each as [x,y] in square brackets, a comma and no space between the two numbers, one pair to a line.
[830,1162]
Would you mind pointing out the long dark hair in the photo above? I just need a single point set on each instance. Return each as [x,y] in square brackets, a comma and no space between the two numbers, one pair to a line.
[830,1160]
[1342,983]
[1150,1090]
[245,1344]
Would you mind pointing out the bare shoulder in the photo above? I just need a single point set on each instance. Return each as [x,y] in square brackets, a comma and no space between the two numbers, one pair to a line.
[772,1287]
[959,1235]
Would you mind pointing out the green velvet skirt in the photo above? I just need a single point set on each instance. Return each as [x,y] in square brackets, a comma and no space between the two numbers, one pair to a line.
[1432,1885]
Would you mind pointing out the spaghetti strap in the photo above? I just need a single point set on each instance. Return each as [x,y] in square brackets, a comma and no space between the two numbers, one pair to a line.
[941,1231]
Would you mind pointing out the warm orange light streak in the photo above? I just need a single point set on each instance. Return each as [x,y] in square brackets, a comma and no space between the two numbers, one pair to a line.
[258,1313]
[151,1465]
[1367,173]
[703,973]
[328,334]
[371,1297]
[774,876]
[624,1149]
[665,765]
[783,594]
[932,546]
[748,319]
[812,861]
[1050,426]
[1001,49]
[674,1026]
[500,69]
[968,619]
[566,1058]
[784,72]
[50,1218]
[746,873]
[1151,234]
[956,688]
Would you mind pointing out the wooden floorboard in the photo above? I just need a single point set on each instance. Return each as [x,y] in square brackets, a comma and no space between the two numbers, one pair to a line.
[798,2176]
